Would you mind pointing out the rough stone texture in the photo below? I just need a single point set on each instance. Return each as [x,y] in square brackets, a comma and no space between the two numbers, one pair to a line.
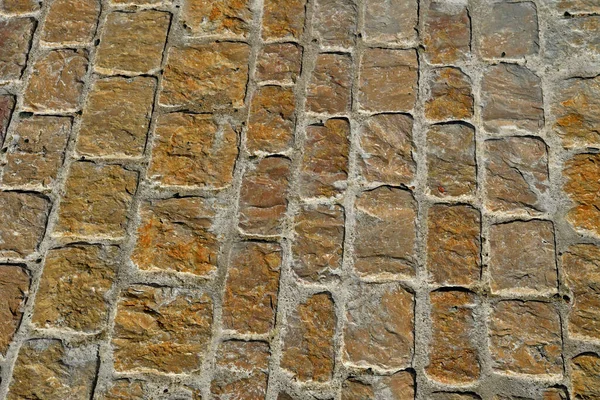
[455,396]
[24,218]
[7,104]
[391,22]
[582,186]
[330,84]
[400,386]
[130,389]
[280,62]
[569,39]
[224,17]
[447,32]
[336,22]
[577,5]
[585,374]
[450,95]
[21,6]
[385,232]
[71,21]
[283,19]
[14,288]
[15,38]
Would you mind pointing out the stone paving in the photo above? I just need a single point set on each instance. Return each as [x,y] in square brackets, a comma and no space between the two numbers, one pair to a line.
[300,199]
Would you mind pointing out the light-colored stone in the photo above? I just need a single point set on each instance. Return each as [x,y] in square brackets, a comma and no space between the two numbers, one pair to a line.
[15,38]
[400,386]
[279,62]
[335,22]
[391,21]
[223,17]
[24,217]
[71,21]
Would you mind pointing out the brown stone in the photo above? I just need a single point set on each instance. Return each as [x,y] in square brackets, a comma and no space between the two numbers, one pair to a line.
[319,239]
[386,142]
[516,174]
[324,167]
[23,218]
[450,95]
[308,347]
[509,29]
[280,62]
[15,41]
[454,245]
[330,84]
[116,117]
[159,329]
[582,187]
[388,80]
[209,77]
[71,21]
[37,151]
[335,22]
[400,386]
[251,288]
[263,197]
[7,105]
[14,288]
[193,150]
[385,232]
[379,328]
[48,369]
[585,376]
[522,257]
[272,120]
[573,40]
[447,32]
[224,17]
[56,81]
[125,389]
[554,394]
[525,338]
[582,6]
[454,396]
[133,389]
[283,19]
[73,288]
[391,22]
[451,165]
[512,98]
[96,201]
[21,6]
[453,353]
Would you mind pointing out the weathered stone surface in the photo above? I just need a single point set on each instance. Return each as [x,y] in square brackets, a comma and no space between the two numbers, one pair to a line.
[532,268]
[263,197]
[386,146]
[272,120]
[96,201]
[15,38]
[582,187]
[251,289]
[330,84]
[193,150]
[585,376]
[71,21]
[48,369]
[454,244]
[573,39]
[516,174]
[37,151]
[73,288]
[447,32]
[525,338]
[335,22]
[453,354]
[14,289]
[388,80]
[385,232]
[283,19]
[379,327]
[391,22]
[21,6]
[577,112]
[400,386]
[175,235]
[509,29]
[555,394]
[308,350]
[7,105]
[132,42]
[577,6]
[224,17]
[450,95]
[161,329]
[133,389]
[23,218]
[125,389]
[56,81]
[324,167]
[210,77]
[512,98]
[280,62]
[451,165]
[454,396]
[116,117]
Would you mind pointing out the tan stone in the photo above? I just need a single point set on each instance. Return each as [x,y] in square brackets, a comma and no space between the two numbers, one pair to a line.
[7,105]
[450,95]
[224,17]
[21,6]
[96,201]
[324,167]
[385,232]
[116,117]
[161,329]
[133,389]
[125,389]
[388,80]
[252,287]
[139,2]
[15,38]
[175,235]
[37,151]
[590,6]
[308,348]
[263,197]
[391,22]
[209,77]
[279,62]
[454,396]
[23,218]
[48,369]
[454,245]
[193,150]
[379,327]
[71,21]
[400,386]
[447,32]
[272,120]
[330,84]
[386,142]
[582,186]
[318,245]
[283,19]
[525,338]
[14,289]
[237,355]
[585,376]
[335,22]
[554,394]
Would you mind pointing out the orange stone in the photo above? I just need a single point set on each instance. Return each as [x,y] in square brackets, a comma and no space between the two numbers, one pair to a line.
[223,17]
[283,19]
[450,95]
[447,32]
[585,376]
[330,84]
[71,21]
[272,120]
[582,186]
